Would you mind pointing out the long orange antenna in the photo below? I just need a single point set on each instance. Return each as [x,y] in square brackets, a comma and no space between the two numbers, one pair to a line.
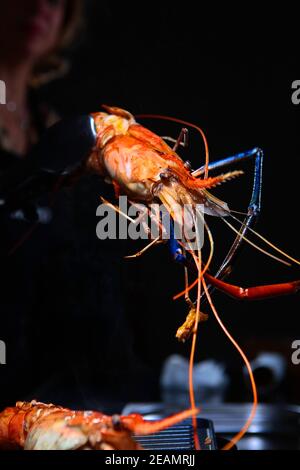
[185,123]
[198,262]
[246,426]
[192,355]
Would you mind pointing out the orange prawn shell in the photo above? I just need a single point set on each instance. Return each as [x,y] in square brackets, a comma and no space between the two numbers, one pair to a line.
[21,426]
[132,156]
[140,164]
[15,422]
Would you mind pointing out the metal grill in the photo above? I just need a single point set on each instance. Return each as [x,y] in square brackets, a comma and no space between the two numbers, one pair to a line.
[180,437]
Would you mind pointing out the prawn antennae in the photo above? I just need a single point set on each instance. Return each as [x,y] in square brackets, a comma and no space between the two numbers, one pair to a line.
[276,248]
[272,245]
[254,245]
[185,123]
[194,340]
[246,426]
[197,316]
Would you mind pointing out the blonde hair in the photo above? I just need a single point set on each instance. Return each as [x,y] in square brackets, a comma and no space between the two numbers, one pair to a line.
[54,65]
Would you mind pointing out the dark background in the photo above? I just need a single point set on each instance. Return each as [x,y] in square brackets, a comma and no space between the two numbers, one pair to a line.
[234,80]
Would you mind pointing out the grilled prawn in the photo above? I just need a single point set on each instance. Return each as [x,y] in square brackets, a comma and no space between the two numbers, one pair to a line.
[141,165]
[39,426]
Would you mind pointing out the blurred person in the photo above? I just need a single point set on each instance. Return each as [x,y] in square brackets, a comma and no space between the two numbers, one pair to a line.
[32,35]
[62,314]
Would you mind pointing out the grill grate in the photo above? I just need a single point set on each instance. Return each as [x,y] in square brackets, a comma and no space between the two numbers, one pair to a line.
[180,437]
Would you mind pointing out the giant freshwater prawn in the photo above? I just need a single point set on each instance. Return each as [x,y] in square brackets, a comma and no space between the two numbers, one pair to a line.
[142,166]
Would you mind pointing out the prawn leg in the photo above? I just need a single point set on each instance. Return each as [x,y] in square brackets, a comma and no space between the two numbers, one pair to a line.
[181,140]
[157,240]
[117,209]
[254,293]
[141,252]
[175,248]
[252,213]
[254,207]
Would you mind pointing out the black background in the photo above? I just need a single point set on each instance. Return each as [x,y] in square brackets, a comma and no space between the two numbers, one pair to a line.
[231,75]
